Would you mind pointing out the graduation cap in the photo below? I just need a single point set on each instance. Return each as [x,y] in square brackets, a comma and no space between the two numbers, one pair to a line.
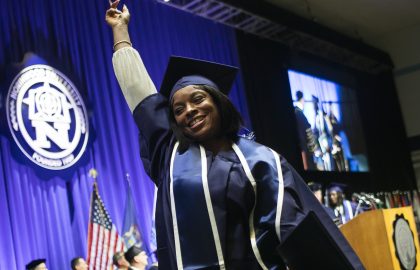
[182,71]
[32,264]
[337,187]
[132,252]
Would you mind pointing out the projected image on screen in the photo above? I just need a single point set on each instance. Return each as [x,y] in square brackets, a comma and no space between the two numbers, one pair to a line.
[328,122]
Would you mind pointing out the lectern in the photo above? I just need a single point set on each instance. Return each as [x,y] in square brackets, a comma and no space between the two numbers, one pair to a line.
[385,239]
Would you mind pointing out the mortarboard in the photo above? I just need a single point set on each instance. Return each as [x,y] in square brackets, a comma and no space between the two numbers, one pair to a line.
[337,187]
[34,263]
[132,252]
[182,71]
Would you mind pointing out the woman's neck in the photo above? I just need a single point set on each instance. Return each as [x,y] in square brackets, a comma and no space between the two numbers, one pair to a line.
[217,145]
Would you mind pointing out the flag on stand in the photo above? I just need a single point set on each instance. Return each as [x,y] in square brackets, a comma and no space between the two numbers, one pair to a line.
[103,238]
[131,233]
[153,242]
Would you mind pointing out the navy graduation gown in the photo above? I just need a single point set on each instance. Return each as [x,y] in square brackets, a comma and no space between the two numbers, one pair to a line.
[231,193]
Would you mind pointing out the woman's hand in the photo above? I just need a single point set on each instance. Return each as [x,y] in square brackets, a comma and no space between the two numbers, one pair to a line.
[115,17]
[118,20]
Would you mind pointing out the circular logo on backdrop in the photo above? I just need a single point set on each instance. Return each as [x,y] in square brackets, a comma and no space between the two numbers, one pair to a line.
[405,247]
[47,117]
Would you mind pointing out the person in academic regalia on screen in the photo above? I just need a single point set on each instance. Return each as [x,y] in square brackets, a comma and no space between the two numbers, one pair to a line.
[307,140]
[337,151]
[223,201]
[323,132]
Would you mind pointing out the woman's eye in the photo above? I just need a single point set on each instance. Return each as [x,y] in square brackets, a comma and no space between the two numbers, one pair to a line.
[178,111]
[198,99]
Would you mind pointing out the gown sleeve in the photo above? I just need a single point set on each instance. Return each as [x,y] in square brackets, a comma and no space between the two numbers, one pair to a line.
[132,76]
[301,196]
[150,109]
[155,135]
[297,202]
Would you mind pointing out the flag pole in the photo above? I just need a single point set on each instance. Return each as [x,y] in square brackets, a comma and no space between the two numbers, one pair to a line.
[94,174]
[127,178]
[103,237]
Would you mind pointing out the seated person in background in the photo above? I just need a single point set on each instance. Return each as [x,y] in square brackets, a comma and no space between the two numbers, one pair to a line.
[120,262]
[78,263]
[38,264]
[136,257]
[317,190]
[344,209]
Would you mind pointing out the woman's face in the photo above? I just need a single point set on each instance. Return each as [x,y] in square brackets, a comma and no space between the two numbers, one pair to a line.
[335,197]
[196,113]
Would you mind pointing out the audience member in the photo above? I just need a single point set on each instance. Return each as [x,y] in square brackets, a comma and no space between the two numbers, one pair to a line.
[38,264]
[79,263]
[120,262]
[136,257]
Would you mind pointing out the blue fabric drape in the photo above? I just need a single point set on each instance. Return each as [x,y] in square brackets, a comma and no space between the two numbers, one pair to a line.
[45,213]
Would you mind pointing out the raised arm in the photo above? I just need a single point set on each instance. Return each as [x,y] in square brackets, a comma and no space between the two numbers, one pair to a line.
[129,69]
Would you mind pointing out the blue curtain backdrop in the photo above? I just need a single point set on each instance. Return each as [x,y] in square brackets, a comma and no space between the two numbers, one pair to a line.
[45,213]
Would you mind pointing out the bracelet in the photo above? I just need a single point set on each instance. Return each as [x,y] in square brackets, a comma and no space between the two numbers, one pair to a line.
[122,41]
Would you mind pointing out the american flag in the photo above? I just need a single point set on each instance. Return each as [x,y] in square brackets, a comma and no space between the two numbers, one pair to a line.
[103,238]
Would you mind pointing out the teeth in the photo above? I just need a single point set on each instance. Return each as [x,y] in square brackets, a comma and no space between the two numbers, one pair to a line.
[192,123]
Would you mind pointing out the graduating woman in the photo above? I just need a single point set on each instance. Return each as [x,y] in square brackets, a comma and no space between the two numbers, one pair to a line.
[224,202]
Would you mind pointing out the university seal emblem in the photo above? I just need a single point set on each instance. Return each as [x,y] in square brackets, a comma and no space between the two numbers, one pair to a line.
[405,247]
[47,117]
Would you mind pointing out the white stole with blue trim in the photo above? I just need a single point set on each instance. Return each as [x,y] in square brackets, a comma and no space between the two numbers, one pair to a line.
[197,242]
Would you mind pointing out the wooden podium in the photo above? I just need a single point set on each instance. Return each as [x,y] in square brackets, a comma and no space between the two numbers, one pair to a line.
[385,239]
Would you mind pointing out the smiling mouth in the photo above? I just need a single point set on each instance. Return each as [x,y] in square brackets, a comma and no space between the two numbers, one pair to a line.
[196,121]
